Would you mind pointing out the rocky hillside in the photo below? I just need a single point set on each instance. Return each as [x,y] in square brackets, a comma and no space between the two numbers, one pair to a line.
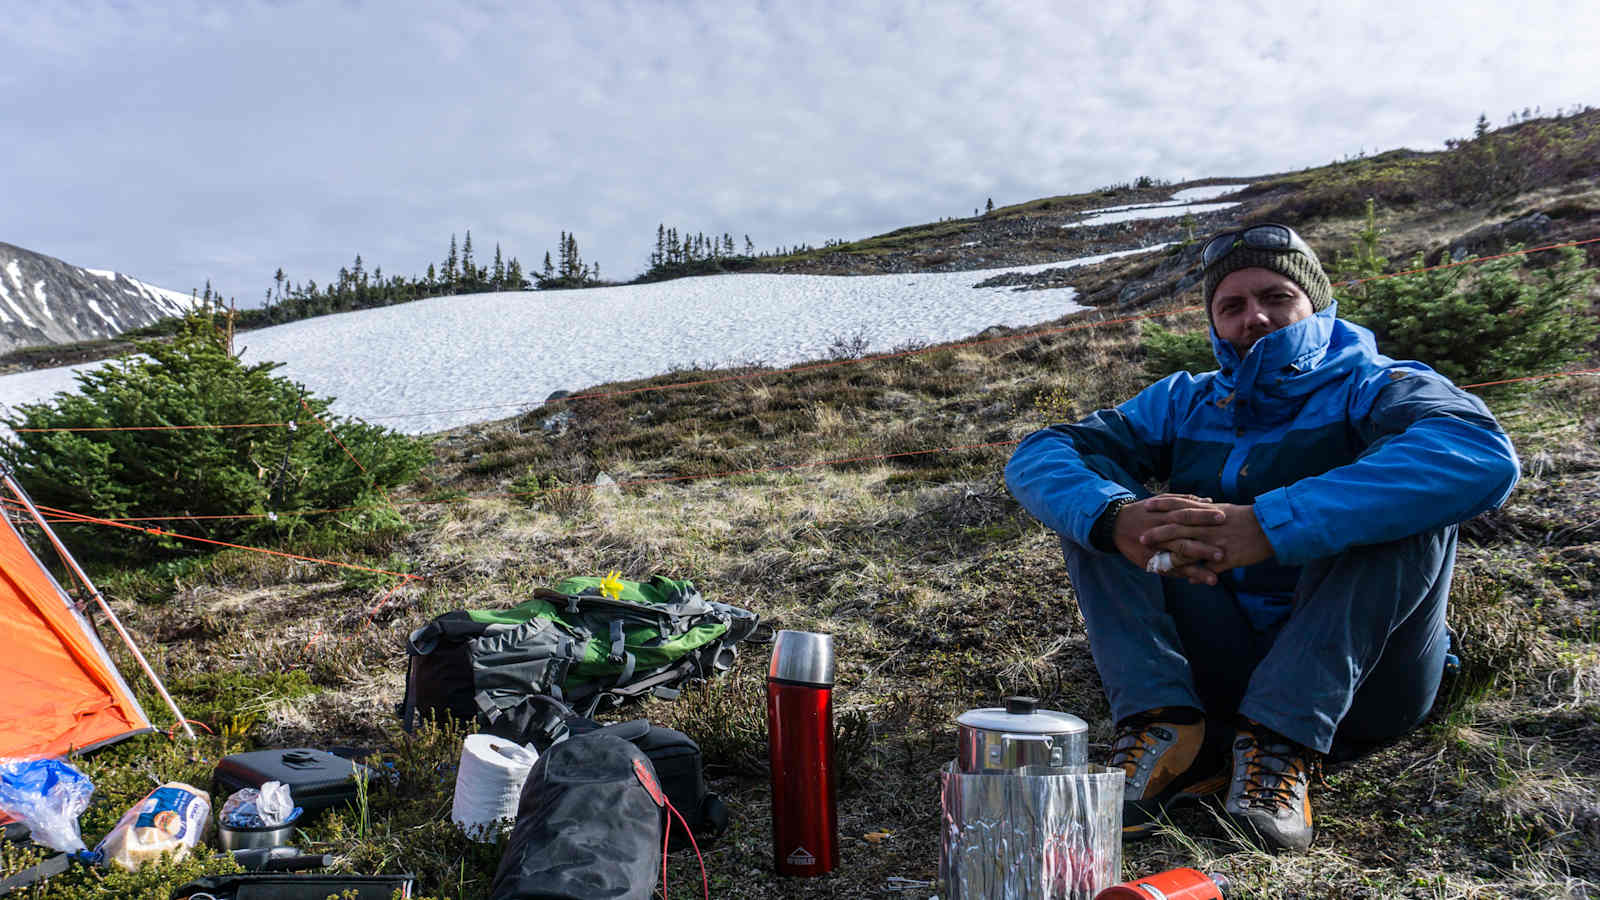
[46,301]
[1535,182]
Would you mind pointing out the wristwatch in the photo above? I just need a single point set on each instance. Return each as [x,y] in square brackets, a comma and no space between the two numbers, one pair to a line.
[1104,534]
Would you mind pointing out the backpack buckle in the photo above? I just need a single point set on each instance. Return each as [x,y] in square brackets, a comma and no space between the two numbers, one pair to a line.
[619,643]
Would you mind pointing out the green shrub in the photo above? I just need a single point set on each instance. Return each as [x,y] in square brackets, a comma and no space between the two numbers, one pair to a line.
[1508,161]
[270,472]
[1167,351]
[1498,319]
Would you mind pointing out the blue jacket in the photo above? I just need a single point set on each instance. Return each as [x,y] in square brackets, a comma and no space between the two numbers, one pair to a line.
[1335,444]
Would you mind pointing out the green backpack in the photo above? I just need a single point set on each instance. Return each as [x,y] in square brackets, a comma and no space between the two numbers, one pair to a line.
[571,643]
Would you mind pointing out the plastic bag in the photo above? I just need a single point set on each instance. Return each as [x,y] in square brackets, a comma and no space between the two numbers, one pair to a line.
[48,796]
[172,818]
[269,807]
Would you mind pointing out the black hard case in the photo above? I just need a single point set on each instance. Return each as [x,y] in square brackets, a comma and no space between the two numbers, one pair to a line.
[679,770]
[317,779]
[295,886]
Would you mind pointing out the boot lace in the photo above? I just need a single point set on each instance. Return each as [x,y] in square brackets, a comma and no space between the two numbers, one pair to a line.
[1132,742]
[1272,788]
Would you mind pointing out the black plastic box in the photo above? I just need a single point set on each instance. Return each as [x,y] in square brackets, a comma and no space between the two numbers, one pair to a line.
[317,779]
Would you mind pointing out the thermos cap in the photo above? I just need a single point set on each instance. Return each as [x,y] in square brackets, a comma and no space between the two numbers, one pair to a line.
[802,656]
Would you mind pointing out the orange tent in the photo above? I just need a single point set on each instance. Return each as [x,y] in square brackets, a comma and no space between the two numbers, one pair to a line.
[59,691]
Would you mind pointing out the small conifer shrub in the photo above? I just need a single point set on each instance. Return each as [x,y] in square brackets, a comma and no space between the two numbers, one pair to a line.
[1167,351]
[269,472]
[1492,320]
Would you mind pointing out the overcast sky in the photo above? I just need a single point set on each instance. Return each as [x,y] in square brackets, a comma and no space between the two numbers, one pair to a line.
[178,142]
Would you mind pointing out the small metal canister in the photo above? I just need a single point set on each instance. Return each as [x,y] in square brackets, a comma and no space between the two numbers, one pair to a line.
[1020,738]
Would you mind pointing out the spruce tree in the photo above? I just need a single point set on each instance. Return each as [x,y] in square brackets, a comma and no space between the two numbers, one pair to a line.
[212,474]
[499,269]
[450,265]
[574,260]
[1500,319]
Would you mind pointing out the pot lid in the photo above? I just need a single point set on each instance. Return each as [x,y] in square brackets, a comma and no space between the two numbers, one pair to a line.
[1021,715]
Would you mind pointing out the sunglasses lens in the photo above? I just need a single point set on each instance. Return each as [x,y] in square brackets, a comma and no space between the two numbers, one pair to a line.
[1258,237]
[1217,248]
[1268,237]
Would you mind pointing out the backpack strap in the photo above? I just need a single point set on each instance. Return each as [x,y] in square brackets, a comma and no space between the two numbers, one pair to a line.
[655,682]
[619,652]
[542,731]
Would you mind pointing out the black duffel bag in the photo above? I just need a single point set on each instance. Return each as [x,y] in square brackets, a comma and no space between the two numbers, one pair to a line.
[587,827]
[679,767]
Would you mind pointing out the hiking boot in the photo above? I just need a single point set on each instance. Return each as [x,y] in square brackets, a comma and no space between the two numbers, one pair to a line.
[1270,796]
[1165,765]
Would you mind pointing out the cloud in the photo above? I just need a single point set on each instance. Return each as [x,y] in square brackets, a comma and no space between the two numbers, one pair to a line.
[182,141]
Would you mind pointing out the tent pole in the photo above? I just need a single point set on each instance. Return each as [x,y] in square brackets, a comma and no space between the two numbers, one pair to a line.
[61,549]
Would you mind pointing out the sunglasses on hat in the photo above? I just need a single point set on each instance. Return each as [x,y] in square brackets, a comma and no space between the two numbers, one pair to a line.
[1256,237]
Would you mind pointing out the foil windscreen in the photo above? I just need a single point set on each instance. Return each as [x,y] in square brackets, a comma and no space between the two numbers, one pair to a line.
[1030,837]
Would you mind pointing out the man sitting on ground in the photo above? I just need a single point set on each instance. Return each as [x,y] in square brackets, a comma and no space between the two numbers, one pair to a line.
[1289,592]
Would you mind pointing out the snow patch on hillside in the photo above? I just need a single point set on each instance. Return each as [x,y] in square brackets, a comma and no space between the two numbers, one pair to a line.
[1188,200]
[478,357]
[1135,213]
[1209,192]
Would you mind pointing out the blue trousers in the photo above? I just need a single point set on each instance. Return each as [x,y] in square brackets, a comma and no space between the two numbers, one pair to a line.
[1358,659]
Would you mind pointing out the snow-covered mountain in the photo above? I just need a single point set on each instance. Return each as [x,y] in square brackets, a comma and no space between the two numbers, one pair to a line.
[46,301]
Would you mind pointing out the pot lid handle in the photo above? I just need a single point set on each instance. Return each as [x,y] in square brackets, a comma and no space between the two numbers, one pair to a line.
[1021,706]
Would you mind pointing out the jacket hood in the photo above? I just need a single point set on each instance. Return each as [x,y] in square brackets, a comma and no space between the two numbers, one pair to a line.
[1266,384]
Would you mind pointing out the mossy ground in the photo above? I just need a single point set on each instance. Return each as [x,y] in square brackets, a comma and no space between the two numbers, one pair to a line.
[941,593]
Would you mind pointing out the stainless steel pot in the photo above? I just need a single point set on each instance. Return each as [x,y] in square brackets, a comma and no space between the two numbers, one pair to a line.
[1020,738]
[252,838]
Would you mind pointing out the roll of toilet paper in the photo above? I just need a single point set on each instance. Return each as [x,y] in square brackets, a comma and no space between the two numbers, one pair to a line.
[488,783]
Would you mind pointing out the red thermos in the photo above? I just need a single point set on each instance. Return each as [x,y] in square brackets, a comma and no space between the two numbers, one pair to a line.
[805,822]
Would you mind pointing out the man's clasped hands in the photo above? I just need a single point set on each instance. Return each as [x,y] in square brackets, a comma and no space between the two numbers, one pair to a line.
[1202,537]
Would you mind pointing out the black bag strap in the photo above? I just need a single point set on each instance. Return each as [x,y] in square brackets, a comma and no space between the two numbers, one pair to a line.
[632,730]
[408,704]
[554,725]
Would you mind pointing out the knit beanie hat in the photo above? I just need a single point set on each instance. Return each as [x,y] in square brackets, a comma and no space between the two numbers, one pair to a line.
[1294,264]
